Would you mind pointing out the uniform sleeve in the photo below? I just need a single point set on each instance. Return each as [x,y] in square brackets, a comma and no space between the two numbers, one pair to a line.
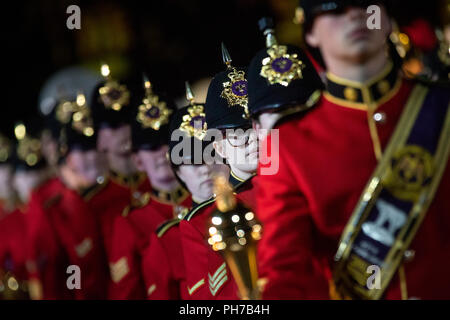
[41,255]
[285,250]
[195,254]
[161,281]
[3,246]
[125,263]
[79,234]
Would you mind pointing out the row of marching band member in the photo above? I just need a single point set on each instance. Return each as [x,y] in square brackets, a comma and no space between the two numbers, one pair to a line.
[354,167]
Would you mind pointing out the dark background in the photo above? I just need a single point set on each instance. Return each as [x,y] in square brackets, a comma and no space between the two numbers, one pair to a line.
[171,40]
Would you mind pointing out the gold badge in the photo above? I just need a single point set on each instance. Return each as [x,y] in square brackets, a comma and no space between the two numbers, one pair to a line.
[281,67]
[194,123]
[81,117]
[64,111]
[180,211]
[28,148]
[113,95]
[119,269]
[84,247]
[152,112]
[78,113]
[411,169]
[235,90]
[151,289]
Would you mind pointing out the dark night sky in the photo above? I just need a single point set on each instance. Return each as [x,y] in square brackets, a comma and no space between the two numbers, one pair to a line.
[171,40]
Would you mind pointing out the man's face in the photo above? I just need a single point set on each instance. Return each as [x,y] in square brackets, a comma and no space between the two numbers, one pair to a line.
[198,179]
[86,165]
[345,36]
[50,149]
[240,148]
[156,165]
[115,141]
[24,182]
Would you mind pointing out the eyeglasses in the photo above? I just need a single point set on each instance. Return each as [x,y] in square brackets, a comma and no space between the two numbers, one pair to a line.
[237,137]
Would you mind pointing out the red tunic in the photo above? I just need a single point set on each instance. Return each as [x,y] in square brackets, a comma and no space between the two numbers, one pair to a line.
[108,202]
[307,203]
[79,234]
[131,236]
[46,258]
[13,245]
[163,264]
[207,275]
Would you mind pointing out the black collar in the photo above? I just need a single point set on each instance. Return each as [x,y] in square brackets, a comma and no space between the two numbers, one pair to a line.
[234,180]
[89,192]
[244,185]
[131,181]
[173,197]
[195,204]
[365,95]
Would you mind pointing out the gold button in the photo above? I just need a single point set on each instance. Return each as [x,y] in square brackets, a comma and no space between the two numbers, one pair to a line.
[409,255]
[350,94]
[136,194]
[383,87]
[379,117]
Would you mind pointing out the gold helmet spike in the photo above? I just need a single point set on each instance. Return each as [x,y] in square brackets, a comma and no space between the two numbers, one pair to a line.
[113,95]
[20,131]
[194,123]
[226,56]
[266,25]
[147,83]
[81,99]
[189,94]
[105,71]
[153,112]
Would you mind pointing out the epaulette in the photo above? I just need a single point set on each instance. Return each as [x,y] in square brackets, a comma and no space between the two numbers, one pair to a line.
[175,197]
[136,203]
[52,201]
[162,229]
[89,193]
[131,181]
[202,205]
